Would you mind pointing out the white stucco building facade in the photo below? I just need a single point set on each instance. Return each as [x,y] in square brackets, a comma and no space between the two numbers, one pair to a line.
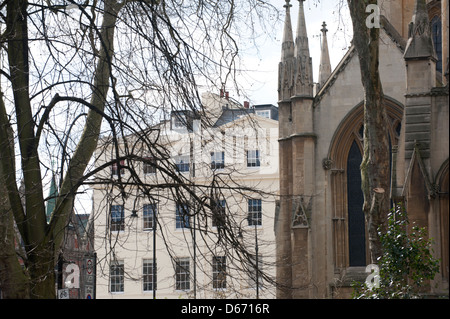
[147,242]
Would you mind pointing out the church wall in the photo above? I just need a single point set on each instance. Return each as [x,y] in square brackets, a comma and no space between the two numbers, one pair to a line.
[328,114]
[392,69]
[321,250]
[399,12]
[347,91]
[439,132]
[438,217]
[339,100]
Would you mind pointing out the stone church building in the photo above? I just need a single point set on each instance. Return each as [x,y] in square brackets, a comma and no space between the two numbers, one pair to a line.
[321,238]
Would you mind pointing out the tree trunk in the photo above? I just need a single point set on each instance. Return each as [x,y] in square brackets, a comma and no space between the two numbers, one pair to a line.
[42,272]
[13,280]
[375,164]
[42,241]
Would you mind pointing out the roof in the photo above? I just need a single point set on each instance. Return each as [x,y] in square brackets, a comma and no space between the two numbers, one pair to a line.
[390,31]
[230,115]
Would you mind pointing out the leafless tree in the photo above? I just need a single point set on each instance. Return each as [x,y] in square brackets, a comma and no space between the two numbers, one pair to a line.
[73,72]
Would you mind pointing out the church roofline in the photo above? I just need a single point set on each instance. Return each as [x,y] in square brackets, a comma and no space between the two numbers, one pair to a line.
[338,69]
[392,33]
[389,30]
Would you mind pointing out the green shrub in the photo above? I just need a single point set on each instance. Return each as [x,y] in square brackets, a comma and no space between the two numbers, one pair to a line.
[406,265]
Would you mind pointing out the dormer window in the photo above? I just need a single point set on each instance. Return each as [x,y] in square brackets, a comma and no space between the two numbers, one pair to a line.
[263,113]
[178,121]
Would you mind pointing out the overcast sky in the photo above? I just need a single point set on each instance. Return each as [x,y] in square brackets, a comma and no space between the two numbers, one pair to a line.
[261,83]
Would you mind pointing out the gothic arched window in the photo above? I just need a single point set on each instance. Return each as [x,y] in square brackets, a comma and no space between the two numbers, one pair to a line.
[355,200]
[349,231]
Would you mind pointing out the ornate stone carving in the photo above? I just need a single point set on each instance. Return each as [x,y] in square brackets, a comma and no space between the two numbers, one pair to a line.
[301,213]
[327,163]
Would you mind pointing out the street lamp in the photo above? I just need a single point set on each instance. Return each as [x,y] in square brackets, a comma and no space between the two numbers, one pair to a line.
[241,236]
[257,259]
[155,211]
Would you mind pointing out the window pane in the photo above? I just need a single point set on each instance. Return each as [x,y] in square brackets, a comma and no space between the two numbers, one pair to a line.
[115,168]
[182,163]
[253,158]
[219,272]
[355,201]
[179,121]
[149,165]
[117,218]
[149,278]
[217,160]
[149,212]
[182,274]
[116,276]
[265,113]
[218,213]
[182,216]
[254,212]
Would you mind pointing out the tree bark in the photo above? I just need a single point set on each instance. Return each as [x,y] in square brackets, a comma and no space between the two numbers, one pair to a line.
[14,281]
[33,228]
[41,241]
[375,164]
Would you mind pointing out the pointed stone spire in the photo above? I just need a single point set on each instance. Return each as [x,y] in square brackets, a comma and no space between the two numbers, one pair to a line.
[420,43]
[286,66]
[287,47]
[303,85]
[301,40]
[51,203]
[325,65]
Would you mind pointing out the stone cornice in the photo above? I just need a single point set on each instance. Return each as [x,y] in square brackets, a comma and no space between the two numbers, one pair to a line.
[303,135]
[436,91]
